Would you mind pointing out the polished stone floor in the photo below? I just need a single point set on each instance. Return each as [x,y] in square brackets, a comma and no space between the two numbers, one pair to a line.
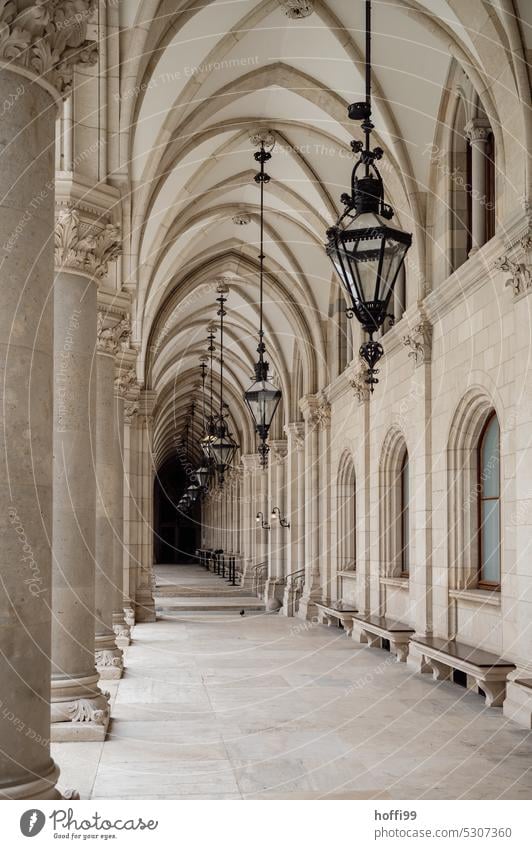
[215,705]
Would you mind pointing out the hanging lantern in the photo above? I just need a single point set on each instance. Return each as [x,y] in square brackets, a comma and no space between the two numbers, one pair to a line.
[366,251]
[223,448]
[202,475]
[262,398]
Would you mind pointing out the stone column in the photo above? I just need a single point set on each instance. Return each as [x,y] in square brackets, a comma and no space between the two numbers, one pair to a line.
[363,493]
[247,516]
[477,131]
[312,589]
[262,506]
[325,507]
[144,603]
[109,661]
[295,496]
[278,536]
[79,709]
[130,556]
[125,385]
[420,582]
[36,57]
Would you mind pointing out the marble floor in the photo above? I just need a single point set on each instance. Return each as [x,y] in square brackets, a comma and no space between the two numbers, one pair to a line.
[215,705]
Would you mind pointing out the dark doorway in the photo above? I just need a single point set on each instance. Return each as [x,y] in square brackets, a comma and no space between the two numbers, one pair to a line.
[177,535]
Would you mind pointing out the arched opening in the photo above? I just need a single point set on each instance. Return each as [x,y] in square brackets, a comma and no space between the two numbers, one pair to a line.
[346,493]
[405,517]
[176,534]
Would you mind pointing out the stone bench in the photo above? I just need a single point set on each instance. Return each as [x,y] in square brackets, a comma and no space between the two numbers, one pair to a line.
[373,629]
[488,671]
[328,615]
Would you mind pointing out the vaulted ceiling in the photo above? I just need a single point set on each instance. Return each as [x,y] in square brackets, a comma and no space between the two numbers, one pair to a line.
[199,81]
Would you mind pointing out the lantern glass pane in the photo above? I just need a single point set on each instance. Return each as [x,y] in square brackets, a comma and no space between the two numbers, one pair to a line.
[263,399]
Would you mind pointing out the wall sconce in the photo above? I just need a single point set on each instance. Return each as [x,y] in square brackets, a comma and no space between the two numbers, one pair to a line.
[264,525]
[283,522]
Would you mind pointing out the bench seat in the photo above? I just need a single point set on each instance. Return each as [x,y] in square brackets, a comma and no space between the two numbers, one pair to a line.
[373,629]
[441,656]
[328,615]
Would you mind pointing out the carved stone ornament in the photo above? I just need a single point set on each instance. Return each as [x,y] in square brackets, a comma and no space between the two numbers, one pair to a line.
[419,342]
[122,630]
[107,657]
[323,415]
[297,9]
[110,339]
[126,383]
[278,451]
[47,37]
[84,246]
[130,411]
[358,383]
[87,710]
[520,274]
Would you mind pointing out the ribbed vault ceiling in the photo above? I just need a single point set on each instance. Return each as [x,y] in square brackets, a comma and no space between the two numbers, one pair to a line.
[202,78]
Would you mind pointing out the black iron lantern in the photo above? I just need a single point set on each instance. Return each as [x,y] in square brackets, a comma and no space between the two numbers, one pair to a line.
[202,475]
[366,251]
[262,398]
[222,446]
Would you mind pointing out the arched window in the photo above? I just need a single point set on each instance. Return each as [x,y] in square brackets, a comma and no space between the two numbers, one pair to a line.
[405,518]
[489,507]
[394,507]
[346,491]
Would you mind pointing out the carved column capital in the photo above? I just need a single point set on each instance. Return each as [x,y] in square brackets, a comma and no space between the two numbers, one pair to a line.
[47,38]
[419,341]
[309,406]
[296,432]
[112,333]
[126,383]
[82,245]
[278,450]
[519,268]
[477,130]
[358,382]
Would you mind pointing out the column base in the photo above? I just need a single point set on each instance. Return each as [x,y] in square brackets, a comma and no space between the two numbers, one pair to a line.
[129,616]
[43,787]
[517,705]
[145,606]
[79,710]
[122,632]
[108,657]
[307,608]
[273,594]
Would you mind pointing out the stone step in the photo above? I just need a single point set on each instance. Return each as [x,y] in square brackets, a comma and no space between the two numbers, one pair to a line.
[222,591]
[176,605]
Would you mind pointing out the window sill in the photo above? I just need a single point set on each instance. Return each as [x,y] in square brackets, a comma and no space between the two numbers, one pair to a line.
[347,573]
[395,582]
[476,596]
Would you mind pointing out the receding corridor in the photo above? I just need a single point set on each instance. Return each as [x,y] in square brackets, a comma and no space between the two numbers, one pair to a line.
[218,705]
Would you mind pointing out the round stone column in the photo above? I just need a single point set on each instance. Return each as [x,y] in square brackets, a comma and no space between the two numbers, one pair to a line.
[310,405]
[26,256]
[109,660]
[79,709]
[477,131]
[124,383]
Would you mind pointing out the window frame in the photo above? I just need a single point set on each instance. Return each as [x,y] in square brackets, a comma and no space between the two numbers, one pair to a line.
[404,519]
[493,586]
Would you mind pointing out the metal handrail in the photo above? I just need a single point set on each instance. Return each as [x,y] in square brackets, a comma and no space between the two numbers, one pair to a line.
[297,573]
